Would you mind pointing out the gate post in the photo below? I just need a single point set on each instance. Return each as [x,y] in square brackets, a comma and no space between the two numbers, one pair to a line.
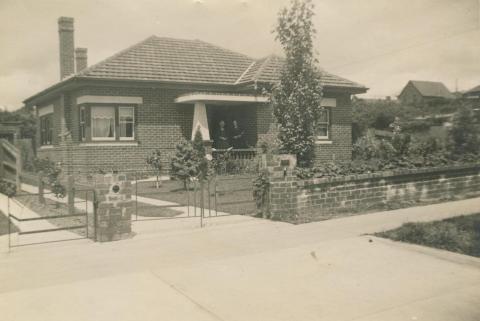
[113,208]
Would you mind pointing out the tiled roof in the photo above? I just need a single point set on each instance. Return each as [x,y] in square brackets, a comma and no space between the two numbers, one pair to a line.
[473,90]
[432,89]
[268,69]
[167,59]
[194,61]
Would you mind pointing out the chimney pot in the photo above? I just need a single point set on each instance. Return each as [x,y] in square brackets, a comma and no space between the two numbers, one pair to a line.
[66,39]
[81,59]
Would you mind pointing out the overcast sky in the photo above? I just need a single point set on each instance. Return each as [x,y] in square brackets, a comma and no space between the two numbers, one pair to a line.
[379,43]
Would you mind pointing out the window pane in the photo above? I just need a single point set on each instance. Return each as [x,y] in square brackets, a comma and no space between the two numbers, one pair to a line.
[322,131]
[125,114]
[323,117]
[103,122]
[126,119]
[126,130]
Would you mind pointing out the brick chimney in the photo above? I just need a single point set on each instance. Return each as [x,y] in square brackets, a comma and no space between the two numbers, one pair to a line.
[67,60]
[81,59]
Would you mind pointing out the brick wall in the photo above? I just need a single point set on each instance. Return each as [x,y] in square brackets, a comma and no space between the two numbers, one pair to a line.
[340,132]
[340,148]
[301,201]
[161,124]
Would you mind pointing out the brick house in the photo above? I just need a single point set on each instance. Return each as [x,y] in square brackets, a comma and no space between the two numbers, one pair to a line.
[418,92]
[157,92]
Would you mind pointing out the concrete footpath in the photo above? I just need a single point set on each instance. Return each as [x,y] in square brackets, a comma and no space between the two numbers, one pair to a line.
[242,268]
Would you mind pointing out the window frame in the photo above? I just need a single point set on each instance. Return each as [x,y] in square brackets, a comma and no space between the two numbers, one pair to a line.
[126,138]
[88,112]
[46,132]
[83,123]
[328,124]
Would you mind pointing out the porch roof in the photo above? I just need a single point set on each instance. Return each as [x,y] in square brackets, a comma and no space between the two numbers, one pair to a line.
[220,98]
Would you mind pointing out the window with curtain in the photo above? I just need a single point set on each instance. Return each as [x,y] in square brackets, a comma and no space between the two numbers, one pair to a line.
[103,123]
[322,126]
[126,120]
[46,129]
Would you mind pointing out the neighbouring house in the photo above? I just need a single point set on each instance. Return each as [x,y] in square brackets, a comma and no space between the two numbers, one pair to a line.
[473,93]
[419,92]
[160,91]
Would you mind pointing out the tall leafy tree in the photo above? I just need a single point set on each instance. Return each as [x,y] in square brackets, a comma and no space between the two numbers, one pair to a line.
[296,99]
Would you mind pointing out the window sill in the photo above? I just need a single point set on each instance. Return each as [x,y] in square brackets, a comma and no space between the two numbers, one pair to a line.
[46,147]
[324,142]
[106,143]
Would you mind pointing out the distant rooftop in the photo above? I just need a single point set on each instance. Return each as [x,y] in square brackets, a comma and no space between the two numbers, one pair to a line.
[432,89]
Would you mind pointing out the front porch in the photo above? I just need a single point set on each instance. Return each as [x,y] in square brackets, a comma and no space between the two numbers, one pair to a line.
[228,122]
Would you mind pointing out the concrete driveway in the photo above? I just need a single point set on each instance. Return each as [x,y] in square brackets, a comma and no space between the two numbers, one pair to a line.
[241,268]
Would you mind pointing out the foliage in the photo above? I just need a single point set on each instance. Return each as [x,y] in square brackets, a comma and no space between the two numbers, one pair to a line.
[225,163]
[200,157]
[190,160]
[261,187]
[296,99]
[459,234]
[25,118]
[182,164]
[269,144]
[52,173]
[7,188]
[464,136]
[155,161]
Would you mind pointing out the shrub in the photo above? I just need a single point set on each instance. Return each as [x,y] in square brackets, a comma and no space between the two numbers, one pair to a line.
[190,160]
[261,186]
[7,188]
[182,164]
[53,173]
[464,136]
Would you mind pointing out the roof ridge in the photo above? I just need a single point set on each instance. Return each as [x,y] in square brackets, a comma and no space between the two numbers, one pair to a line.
[108,59]
[245,71]
[262,67]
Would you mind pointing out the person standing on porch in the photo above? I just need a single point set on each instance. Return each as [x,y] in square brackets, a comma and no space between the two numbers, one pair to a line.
[221,139]
[238,136]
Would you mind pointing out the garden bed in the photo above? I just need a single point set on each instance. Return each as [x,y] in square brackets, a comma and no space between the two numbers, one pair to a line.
[459,234]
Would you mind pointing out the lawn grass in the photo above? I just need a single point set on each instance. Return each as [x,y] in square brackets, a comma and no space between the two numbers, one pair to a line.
[4,225]
[233,194]
[459,234]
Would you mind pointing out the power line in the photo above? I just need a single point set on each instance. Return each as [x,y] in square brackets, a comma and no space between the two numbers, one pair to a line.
[392,52]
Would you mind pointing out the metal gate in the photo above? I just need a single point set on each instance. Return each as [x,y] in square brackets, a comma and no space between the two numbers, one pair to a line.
[217,196]
[38,218]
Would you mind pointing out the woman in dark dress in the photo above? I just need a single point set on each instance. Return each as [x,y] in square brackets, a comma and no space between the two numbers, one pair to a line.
[238,136]
[221,139]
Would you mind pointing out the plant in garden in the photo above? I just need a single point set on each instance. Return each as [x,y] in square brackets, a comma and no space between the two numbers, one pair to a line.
[296,99]
[52,173]
[261,186]
[464,136]
[155,161]
[200,156]
[182,164]
[7,188]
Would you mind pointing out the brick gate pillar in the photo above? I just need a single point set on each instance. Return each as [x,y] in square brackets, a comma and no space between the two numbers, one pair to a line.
[283,187]
[114,207]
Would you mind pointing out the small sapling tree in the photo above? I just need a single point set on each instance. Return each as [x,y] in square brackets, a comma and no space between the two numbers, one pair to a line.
[155,161]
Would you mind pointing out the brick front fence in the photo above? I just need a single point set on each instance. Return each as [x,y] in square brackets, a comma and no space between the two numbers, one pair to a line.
[300,201]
